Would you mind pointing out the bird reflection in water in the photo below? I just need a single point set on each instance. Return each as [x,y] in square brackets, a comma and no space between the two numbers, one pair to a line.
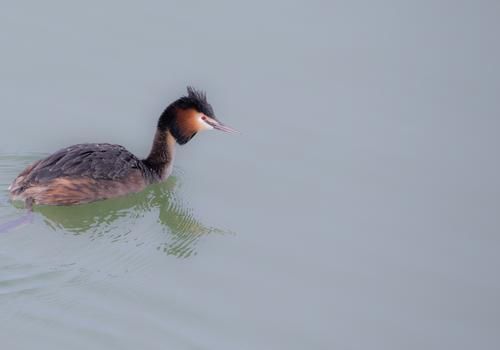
[116,219]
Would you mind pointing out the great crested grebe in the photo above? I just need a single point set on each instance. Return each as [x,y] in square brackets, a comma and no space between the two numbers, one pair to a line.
[90,172]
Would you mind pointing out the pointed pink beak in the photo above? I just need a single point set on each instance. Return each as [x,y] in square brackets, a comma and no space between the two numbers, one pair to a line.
[225,128]
[219,126]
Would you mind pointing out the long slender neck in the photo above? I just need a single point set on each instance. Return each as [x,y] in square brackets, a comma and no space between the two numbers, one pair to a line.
[161,158]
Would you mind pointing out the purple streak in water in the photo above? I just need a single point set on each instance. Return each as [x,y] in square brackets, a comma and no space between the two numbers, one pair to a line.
[10,225]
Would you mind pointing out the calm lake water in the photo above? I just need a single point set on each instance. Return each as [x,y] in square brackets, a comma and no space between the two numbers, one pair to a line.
[358,209]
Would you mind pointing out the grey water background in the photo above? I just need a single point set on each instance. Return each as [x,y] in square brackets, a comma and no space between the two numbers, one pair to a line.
[358,209]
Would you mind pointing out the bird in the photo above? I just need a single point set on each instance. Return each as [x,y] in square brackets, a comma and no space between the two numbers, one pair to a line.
[90,172]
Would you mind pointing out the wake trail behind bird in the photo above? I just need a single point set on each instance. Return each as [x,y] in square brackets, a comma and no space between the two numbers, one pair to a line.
[10,225]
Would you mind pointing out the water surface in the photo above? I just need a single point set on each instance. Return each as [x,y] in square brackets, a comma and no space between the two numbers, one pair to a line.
[358,209]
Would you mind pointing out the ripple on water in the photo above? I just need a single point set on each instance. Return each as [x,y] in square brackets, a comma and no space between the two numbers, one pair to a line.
[25,279]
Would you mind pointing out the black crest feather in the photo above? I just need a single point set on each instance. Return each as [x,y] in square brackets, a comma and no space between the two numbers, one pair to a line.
[199,101]
[199,95]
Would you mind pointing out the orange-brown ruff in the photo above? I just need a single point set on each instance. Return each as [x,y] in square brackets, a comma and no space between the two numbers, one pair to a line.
[90,172]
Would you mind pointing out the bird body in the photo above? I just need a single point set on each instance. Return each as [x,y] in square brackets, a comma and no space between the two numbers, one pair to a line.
[81,174]
[90,172]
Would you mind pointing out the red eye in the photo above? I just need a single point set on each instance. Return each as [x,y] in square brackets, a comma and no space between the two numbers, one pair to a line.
[204,118]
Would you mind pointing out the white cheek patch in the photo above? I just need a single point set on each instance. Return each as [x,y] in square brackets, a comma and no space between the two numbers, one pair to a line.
[203,125]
